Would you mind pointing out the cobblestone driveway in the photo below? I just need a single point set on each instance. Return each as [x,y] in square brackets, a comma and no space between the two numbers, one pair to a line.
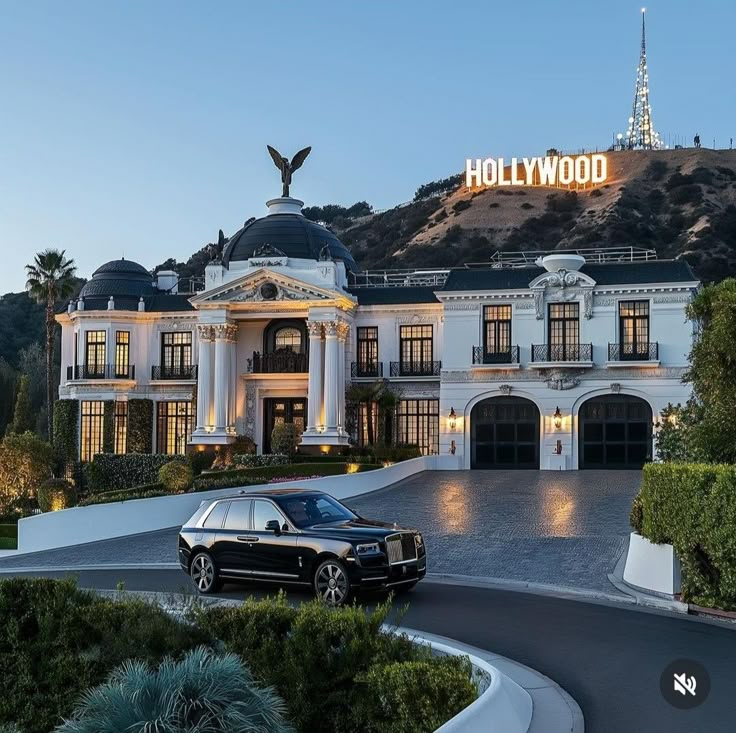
[534,526]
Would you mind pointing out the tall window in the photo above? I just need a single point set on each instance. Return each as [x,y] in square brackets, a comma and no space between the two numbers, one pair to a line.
[418,423]
[497,332]
[416,350]
[289,339]
[367,423]
[92,418]
[564,332]
[368,351]
[122,353]
[120,426]
[94,360]
[174,425]
[176,353]
[633,328]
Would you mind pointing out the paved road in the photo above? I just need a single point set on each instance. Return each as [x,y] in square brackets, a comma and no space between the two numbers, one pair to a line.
[608,657]
[547,527]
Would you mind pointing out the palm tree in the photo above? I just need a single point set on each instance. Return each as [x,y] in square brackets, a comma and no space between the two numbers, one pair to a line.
[50,279]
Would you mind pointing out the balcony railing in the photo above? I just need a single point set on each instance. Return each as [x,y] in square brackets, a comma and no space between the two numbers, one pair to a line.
[100,371]
[174,372]
[508,356]
[279,362]
[562,352]
[372,369]
[634,352]
[416,368]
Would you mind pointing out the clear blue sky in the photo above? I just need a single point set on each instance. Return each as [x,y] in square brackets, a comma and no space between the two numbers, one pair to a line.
[139,128]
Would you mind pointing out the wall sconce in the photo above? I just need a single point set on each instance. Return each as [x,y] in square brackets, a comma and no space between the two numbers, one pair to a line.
[452,419]
[557,418]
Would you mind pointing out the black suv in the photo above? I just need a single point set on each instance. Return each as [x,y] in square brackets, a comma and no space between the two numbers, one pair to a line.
[298,536]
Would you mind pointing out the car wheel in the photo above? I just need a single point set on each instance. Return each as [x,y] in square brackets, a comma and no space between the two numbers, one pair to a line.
[331,583]
[204,574]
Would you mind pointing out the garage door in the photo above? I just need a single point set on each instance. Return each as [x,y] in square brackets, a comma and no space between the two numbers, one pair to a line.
[504,433]
[615,431]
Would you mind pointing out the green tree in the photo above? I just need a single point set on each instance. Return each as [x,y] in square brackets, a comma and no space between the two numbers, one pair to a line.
[25,463]
[50,278]
[378,399]
[22,416]
[8,384]
[712,372]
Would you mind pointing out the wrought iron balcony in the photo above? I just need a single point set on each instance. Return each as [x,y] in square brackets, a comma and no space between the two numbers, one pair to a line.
[562,352]
[646,351]
[416,368]
[100,371]
[278,362]
[366,370]
[508,356]
[174,372]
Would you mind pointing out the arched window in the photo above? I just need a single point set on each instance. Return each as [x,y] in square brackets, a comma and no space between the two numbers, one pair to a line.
[288,338]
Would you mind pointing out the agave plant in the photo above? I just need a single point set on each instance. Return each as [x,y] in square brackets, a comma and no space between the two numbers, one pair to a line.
[203,693]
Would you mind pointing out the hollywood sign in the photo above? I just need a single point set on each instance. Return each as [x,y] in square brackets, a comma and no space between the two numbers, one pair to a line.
[552,170]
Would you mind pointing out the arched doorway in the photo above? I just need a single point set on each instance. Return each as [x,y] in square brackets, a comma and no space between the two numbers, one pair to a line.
[504,433]
[615,431]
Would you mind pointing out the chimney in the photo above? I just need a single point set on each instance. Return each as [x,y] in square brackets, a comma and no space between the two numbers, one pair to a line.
[167,281]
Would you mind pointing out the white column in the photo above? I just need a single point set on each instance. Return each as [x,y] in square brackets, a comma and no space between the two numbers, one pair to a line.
[331,375]
[314,393]
[342,334]
[224,339]
[204,379]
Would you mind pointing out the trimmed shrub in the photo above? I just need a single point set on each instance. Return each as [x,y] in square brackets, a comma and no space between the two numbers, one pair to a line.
[176,476]
[251,460]
[57,641]
[66,422]
[415,696]
[25,463]
[202,692]
[108,427]
[140,426]
[147,491]
[284,438]
[55,494]
[201,460]
[109,471]
[636,514]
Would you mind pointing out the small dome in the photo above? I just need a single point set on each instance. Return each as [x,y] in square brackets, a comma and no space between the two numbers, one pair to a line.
[119,278]
[293,234]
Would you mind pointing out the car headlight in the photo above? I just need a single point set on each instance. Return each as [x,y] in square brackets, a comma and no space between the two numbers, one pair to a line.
[418,540]
[368,549]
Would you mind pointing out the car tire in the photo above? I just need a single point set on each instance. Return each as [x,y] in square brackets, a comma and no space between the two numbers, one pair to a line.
[331,583]
[204,575]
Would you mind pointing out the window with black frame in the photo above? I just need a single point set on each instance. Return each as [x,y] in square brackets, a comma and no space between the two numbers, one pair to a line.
[564,332]
[367,352]
[92,417]
[174,426]
[122,353]
[416,350]
[418,423]
[176,354]
[120,426]
[496,334]
[94,356]
[633,329]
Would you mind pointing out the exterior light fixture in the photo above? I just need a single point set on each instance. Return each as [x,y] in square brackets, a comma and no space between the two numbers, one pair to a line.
[557,418]
[452,419]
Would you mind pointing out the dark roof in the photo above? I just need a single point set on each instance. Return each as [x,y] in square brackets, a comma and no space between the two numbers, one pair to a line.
[395,295]
[157,303]
[292,234]
[616,273]
[119,278]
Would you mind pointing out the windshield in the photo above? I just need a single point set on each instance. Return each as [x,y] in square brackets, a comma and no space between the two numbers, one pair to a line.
[307,510]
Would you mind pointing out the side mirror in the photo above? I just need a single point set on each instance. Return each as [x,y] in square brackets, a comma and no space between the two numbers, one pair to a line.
[273,525]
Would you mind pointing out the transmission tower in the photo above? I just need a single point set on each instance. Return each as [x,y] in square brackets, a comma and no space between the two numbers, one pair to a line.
[641,134]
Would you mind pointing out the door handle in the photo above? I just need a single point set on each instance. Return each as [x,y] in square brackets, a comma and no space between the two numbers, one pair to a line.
[247,539]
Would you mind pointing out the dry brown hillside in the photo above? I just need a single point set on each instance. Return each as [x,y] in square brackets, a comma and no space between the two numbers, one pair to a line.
[681,202]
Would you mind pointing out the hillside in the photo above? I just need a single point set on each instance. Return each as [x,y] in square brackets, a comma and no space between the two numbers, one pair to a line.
[680,202]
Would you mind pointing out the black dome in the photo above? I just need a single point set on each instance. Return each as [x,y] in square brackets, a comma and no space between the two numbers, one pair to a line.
[118,278]
[292,234]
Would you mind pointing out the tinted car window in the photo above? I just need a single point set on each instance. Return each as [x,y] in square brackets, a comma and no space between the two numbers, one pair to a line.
[239,515]
[265,511]
[315,509]
[215,517]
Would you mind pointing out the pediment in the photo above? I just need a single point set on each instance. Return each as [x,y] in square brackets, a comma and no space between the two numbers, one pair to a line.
[562,279]
[266,287]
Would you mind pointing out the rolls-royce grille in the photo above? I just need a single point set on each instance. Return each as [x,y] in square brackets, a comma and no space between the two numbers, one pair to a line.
[401,548]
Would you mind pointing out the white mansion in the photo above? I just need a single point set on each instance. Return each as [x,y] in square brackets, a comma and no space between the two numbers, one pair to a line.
[560,364]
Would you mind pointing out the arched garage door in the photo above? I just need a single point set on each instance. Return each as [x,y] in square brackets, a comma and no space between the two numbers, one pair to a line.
[615,431]
[504,433]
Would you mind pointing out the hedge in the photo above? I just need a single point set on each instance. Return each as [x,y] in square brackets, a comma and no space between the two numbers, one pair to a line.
[693,507]
[108,427]
[66,423]
[147,491]
[251,460]
[140,426]
[110,471]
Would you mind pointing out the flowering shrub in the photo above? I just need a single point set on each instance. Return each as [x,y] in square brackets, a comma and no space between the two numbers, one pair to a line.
[251,460]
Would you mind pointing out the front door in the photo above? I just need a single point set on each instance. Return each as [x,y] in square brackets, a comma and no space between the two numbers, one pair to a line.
[274,556]
[282,410]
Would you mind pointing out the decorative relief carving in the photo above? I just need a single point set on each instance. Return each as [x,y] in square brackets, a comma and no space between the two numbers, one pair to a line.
[462,307]
[672,299]
[415,318]
[315,329]
[250,410]
[560,379]
[632,374]
[588,304]
[343,330]
[524,305]
[330,328]
[226,332]
[206,333]
[539,304]
[505,389]
[603,302]
[616,387]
